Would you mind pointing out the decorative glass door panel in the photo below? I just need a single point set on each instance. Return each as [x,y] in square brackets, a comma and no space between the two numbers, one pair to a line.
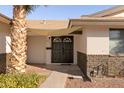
[62,49]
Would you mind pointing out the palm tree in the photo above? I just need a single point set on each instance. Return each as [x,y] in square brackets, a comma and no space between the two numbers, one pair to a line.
[17,60]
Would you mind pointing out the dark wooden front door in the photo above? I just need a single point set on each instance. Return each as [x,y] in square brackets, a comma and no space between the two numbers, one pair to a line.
[62,49]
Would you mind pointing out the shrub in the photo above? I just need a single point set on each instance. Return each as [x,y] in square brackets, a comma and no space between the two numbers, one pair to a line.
[20,80]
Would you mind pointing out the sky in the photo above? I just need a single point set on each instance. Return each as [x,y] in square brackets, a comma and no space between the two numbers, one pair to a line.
[57,12]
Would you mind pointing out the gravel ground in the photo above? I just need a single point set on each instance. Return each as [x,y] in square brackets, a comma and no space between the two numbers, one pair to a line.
[97,83]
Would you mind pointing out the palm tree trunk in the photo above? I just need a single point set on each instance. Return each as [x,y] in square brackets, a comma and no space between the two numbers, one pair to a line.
[17,62]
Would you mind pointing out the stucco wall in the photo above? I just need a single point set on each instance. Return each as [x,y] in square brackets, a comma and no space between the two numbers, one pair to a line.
[75,48]
[4,38]
[97,38]
[48,51]
[80,42]
[36,49]
[94,40]
[37,52]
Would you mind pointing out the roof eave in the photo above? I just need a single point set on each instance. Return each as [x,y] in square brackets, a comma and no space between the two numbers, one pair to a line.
[99,19]
[107,12]
[96,21]
[5,19]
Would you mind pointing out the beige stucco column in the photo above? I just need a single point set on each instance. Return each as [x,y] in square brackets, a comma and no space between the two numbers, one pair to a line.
[48,51]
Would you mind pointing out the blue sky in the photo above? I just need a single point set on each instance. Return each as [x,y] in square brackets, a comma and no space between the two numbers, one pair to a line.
[58,12]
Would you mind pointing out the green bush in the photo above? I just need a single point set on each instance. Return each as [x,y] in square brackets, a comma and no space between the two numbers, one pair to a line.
[20,80]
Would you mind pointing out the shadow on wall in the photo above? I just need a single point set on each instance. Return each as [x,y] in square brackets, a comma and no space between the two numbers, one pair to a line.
[98,33]
[82,63]
[3,54]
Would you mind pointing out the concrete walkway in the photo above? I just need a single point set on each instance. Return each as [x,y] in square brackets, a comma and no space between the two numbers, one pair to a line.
[57,78]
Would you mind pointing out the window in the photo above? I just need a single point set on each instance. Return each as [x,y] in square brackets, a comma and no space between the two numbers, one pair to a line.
[67,40]
[57,39]
[116,43]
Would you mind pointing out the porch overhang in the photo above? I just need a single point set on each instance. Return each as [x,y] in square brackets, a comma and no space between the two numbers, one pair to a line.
[53,32]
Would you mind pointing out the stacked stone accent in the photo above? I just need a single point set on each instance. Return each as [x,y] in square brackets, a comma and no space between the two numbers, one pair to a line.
[99,63]
[3,62]
[116,65]
[104,65]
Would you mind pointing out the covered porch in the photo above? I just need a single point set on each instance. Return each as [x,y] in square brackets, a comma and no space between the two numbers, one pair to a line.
[42,47]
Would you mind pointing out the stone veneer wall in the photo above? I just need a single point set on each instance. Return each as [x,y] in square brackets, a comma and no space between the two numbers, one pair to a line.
[114,65]
[3,62]
[82,62]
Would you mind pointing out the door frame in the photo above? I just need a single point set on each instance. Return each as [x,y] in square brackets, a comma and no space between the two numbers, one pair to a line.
[52,50]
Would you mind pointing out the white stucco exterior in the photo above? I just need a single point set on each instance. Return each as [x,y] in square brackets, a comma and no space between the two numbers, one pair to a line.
[81,42]
[36,49]
[37,52]
[97,38]
[8,44]
[94,40]
[48,51]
